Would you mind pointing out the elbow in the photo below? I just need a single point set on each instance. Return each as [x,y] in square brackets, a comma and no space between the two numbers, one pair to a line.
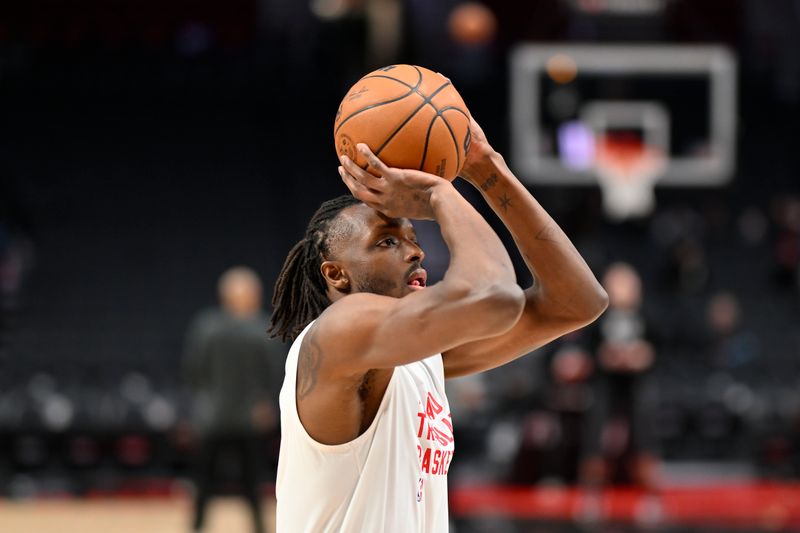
[502,304]
[595,305]
[601,303]
[493,308]
[584,308]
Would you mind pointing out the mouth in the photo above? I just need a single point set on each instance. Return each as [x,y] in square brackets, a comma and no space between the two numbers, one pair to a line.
[417,280]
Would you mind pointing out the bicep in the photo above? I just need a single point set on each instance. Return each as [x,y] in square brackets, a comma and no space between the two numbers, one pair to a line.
[534,329]
[368,331]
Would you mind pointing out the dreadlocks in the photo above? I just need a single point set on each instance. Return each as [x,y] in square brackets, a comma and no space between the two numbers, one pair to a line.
[301,293]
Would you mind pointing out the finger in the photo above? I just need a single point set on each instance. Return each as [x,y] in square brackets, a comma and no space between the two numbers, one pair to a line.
[358,190]
[367,179]
[378,165]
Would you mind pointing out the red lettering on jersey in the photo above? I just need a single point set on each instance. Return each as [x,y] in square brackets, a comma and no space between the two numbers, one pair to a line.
[421,423]
[433,408]
[437,461]
[440,436]
[426,461]
[447,423]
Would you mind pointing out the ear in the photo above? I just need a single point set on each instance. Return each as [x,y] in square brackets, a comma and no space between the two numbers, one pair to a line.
[335,275]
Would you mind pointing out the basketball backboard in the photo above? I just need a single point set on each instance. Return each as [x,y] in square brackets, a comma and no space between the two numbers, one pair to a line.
[677,99]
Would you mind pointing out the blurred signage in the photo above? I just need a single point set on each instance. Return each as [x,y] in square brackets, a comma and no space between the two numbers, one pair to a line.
[619,7]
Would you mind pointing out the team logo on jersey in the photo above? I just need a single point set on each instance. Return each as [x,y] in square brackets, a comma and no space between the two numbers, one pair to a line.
[435,433]
[420,485]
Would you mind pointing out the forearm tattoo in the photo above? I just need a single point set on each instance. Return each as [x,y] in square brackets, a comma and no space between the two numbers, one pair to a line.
[490,182]
[505,202]
[548,233]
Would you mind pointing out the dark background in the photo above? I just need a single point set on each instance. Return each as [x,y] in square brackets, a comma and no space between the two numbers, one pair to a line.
[147,146]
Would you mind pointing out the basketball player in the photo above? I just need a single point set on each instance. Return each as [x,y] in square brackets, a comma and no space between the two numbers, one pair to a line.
[367,437]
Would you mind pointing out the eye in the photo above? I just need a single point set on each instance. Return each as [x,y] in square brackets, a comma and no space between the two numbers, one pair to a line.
[388,242]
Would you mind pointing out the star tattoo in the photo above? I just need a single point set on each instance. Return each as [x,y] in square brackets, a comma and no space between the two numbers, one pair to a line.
[505,202]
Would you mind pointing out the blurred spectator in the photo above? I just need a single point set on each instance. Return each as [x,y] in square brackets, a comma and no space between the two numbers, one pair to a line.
[681,232]
[688,270]
[230,366]
[550,443]
[16,248]
[730,347]
[787,241]
[619,438]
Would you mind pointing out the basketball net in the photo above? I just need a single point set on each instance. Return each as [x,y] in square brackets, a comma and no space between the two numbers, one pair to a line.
[627,171]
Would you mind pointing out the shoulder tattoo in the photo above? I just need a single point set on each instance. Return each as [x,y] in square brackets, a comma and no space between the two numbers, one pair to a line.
[308,364]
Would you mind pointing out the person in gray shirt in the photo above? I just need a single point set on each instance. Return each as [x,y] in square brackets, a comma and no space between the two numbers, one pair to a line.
[233,371]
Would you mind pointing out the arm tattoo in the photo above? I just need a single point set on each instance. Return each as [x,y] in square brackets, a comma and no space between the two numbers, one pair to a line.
[505,202]
[308,364]
[548,233]
[490,182]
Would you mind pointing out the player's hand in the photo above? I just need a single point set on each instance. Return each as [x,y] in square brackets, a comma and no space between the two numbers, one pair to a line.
[395,192]
[478,154]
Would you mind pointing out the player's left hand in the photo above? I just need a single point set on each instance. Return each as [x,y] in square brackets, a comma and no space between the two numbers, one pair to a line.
[395,192]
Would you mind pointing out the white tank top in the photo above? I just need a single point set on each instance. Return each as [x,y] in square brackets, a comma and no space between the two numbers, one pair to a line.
[390,479]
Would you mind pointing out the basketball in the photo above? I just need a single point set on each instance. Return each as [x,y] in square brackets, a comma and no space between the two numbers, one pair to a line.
[409,116]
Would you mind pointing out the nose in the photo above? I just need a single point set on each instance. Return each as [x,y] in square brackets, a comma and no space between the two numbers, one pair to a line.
[414,253]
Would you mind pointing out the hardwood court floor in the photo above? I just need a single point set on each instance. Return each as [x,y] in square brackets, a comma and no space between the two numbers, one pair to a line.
[172,515]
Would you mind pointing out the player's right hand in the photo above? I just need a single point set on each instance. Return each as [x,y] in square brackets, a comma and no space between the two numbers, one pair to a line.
[395,192]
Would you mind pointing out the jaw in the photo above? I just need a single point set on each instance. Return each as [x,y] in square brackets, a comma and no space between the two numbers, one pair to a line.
[384,287]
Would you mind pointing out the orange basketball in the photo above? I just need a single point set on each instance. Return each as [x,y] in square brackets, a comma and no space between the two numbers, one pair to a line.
[409,116]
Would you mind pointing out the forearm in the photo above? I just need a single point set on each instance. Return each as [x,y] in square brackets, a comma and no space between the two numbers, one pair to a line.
[476,253]
[562,279]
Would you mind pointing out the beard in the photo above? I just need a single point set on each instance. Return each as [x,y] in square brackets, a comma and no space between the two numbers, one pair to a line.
[376,285]
[385,286]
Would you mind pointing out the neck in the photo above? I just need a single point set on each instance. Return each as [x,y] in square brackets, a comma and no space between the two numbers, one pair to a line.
[334,295]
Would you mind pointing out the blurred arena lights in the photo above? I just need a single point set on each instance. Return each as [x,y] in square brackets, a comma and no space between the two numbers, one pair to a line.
[562,68]
[330,9]
[472,24]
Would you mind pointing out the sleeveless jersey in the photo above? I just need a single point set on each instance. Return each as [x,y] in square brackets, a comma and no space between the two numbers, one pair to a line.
[390,479]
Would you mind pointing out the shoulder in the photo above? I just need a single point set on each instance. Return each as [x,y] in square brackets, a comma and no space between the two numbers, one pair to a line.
[205,321]
[354,311]
[209,314]
[345,329]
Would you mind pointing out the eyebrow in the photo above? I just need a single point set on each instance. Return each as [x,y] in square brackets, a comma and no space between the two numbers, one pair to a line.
[389,225]
[394,225]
